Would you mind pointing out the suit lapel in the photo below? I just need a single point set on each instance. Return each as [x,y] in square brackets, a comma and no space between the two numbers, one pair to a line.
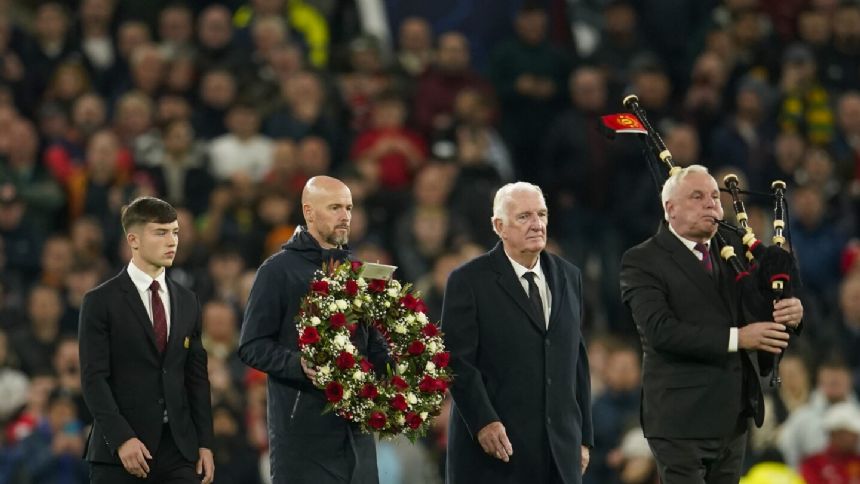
[132,297]
[556,287]
[175,311]
[691,267]
[508,280]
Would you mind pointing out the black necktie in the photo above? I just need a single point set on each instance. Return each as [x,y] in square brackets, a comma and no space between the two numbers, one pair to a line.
[534,295]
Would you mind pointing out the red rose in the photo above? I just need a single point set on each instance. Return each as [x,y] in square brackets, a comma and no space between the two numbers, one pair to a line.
[415,348]
[351,288]
[309,336]
[356,265]
[399,402]
[429,384]
[376,420]
[430,330]
[413,420]
[334,392]
[441,359]
[352,327]
[399,383]
[337,320]
[377,285]
[365,365]
[368,391]
[408,301]
[320,287]
[345,360]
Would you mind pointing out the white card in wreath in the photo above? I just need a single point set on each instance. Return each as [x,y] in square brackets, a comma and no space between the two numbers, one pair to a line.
[372,270]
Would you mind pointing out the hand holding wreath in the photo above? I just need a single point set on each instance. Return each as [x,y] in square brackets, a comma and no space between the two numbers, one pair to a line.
[402,398]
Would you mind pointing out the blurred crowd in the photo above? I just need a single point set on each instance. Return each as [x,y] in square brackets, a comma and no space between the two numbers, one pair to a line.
[226,108]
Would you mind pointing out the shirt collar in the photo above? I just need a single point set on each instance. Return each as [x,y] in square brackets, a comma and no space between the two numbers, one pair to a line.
[141,279]
[521,269]
[687,242]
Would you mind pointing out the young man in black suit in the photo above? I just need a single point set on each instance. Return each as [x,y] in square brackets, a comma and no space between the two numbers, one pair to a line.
[512,320]
[143,366]
[699,384]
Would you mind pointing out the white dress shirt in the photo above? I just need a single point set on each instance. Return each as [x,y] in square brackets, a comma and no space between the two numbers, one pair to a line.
[733,332]
[142,281]
[540,281]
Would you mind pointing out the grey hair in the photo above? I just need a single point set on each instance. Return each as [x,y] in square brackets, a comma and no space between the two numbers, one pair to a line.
[503,196]
[672,183]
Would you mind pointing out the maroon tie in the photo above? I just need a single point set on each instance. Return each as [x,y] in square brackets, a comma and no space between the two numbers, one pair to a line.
[706,257]
[159,318]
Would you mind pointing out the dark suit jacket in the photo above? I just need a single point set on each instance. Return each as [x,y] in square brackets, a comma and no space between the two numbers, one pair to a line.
[693,387]
[509,367]
[127,384]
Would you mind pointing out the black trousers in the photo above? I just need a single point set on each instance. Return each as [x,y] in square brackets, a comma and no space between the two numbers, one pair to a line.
[168,466]
[700,461]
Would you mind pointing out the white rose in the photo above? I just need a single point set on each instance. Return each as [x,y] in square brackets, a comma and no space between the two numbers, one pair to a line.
[361,282]
[348,347]
[401,368]
[392,292]
[387,304]
[358,375]
[357,302]
[432,347]
[315,321]
[401,420]
[324,370]
[411,398]
[422,318]
[424,415]
[340,341]
[346,394]
[430,366]
[396,283]
[332,307]
[341,304]
[409,319]
[400,328]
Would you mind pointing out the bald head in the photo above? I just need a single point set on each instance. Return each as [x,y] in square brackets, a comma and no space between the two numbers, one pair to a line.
[327,208]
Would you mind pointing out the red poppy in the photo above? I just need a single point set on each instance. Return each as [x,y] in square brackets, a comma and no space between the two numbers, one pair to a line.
[415,348]
[334,392]
[345,360]
[309,336]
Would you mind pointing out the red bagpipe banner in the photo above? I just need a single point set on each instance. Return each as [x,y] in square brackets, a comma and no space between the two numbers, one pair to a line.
[623,123]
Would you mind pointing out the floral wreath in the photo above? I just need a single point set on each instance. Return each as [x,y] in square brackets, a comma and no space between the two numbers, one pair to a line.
[412,389]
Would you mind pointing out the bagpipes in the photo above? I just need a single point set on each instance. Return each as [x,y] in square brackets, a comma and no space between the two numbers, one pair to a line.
[766,275]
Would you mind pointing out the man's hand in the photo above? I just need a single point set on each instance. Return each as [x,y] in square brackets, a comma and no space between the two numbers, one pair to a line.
[309,372]
[494,441]
[206,466]
[133,455]
[788,312]
[765,336]
[586,457]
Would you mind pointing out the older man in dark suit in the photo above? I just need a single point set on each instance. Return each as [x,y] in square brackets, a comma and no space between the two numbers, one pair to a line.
[700,386]
[143,366]
[512,321]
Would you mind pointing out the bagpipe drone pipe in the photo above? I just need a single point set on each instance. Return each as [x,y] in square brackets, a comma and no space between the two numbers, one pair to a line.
[769,273]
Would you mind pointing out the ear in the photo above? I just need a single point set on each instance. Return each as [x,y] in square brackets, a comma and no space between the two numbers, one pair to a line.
[670,209]
[498,225]
[132,239]
[308,212]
